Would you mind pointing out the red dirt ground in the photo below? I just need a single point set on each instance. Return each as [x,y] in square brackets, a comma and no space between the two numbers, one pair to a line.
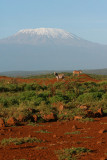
[89,137]
[46,81]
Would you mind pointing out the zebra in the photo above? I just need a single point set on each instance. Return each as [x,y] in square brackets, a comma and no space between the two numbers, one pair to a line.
[59,76]
[77,72]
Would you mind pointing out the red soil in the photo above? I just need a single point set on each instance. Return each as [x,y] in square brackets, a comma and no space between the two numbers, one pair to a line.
[89,137]
[46,81]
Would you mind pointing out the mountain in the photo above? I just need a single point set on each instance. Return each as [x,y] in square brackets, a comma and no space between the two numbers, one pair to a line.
[50,49]
[44,36]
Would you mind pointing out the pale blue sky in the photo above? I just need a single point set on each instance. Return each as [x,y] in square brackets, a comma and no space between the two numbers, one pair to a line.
[85,18]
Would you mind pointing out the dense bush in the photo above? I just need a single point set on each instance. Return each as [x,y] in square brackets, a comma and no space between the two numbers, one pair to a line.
[42,97]
[21,87]
[90,97]
[104,97]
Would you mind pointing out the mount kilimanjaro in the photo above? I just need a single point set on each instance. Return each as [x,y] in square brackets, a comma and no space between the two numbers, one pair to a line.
[50,49]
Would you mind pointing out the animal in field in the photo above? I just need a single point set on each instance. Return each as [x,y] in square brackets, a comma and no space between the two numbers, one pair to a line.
[59,76]
[77,72]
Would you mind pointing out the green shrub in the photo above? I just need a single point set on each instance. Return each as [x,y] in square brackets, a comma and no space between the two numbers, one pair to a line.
[27,96]
[59,98]
[4,101]
[33,86]
[89,97]
[18,141]
[43,131]
[71,153]
[104,96]
[59,85]
[75,132]
[71,96]
[44,108]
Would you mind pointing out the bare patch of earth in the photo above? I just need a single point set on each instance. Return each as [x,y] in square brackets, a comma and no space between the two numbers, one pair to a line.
[56,136]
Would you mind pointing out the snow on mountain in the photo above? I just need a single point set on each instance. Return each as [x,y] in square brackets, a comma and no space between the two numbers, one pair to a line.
[49,32]
[42,36]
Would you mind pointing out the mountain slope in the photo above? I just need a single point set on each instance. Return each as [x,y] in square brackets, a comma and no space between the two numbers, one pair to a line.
[50,49]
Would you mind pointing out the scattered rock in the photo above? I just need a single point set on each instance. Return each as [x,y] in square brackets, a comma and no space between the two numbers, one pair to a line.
[21,118]
[11,121]
[31,110]
[35,117]
[99,113]
[103,158]
[2,123]
[77,117]
[29,136]
[49,117]
[61,108]
[74,127]
[84,107]
[65,113]
[90,114]
[54,136]
[99,142]
[9,129]
[102,131]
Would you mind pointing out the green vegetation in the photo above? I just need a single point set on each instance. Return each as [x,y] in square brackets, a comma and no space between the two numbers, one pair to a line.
[18,141]
[75,132]
[43,131]
[71,153]
[87,119]
[40,98]
[39,148]
[87,137]
[99,77]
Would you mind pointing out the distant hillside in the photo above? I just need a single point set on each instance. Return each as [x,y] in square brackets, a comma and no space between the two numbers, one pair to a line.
[97,71]
[23,73]
[33,73]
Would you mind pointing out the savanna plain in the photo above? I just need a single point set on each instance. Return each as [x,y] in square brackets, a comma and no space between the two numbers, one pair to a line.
[42,118]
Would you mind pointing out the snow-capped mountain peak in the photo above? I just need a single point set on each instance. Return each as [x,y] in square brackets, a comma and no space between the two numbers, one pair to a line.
[49,32]
[45,36]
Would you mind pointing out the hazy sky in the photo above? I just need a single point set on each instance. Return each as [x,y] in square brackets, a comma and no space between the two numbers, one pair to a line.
[85,18]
